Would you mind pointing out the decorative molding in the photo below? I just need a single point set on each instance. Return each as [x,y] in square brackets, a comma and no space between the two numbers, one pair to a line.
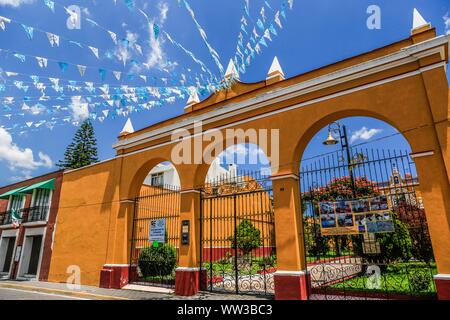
[115,265]
[404,56]
[189,191]
[285,176]
[186,269]
[421,154]
[127,201]
[268,114]
[290,273]
[442,277]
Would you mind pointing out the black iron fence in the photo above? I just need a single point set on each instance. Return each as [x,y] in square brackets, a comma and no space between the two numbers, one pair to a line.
[154,262]
[238,252]
[365,227]
[33,214]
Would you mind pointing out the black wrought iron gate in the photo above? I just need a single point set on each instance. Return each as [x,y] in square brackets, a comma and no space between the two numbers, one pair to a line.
[238,236]
[365,229]
[155,205]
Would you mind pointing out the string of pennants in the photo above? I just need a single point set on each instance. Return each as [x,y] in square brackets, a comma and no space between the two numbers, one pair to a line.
[259,33]
[104,100]
[55,41]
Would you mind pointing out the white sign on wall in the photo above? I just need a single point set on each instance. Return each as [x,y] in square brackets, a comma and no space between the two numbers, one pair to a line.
[158,230]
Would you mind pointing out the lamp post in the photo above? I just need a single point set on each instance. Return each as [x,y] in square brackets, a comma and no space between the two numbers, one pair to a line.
[336,128]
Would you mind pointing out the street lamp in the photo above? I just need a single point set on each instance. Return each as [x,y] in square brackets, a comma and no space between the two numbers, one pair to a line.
[335,128]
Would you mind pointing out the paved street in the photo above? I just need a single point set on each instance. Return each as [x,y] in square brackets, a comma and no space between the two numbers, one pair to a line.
[34,290]
[17,294]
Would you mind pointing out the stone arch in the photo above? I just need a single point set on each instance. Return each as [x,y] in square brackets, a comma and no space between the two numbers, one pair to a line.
[322,122]
[140,175]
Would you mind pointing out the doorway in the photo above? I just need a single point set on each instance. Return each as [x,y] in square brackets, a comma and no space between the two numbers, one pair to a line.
[7,249]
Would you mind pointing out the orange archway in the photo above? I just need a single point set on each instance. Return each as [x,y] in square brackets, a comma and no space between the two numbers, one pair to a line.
[403,84]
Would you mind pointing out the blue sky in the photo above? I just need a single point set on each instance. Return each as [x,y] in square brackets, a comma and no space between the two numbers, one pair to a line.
[314,33]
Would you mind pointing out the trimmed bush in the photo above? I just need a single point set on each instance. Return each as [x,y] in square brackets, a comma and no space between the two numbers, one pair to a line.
[157,261]
[247,237]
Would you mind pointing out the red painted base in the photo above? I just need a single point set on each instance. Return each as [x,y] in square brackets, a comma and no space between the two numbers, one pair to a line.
[291,287]
[114,277]
[443,287]
[189,282]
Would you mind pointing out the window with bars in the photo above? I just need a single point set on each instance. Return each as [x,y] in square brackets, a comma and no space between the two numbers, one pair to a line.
[158,179]
[40,205]
[16,203]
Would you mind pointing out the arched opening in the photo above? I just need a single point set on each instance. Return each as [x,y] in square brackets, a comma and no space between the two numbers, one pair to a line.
[238,248]
[156,225]
[364,221]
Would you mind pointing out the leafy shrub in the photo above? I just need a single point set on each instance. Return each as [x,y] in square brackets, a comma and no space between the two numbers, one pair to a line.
[247,237]
[267,262]
[157,261]
[419,281]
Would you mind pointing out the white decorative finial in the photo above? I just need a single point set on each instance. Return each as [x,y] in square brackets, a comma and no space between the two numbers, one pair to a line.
[128,127]
[418,20]
[231,71]
[275,69]
[193,98]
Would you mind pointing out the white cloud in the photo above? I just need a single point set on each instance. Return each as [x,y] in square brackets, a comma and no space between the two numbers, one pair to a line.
[447,22]
[163,8]
[156,55]
[79,108]
[14,3]
[21,158]
[364,134]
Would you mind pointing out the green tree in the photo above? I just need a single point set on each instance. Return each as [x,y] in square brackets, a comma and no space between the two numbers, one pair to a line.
[247,237]
[82,151]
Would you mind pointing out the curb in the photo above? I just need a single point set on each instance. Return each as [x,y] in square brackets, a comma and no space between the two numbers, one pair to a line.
[62,292]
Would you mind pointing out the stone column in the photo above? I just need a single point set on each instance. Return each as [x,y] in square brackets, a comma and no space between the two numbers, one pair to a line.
[187,279]
[115,274]
[435,190]
[290,277]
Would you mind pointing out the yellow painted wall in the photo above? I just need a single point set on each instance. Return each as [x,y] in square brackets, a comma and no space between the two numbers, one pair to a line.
[88,202]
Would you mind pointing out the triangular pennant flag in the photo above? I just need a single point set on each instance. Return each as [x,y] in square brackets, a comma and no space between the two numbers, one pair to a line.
[156,31]
[50,4]
[42,62]
[263,15]
[291,4]
[63,66]
[81,69]
[53,39]
[260,24]
[54,81]
[113,36]
[19,56]
[277,19]
[3,22]
[138,48]
[117,74]
[273,30]
[102,73]
[29,31]
[267,34]
[94,51]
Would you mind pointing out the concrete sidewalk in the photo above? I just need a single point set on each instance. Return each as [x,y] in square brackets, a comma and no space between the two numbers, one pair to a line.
[95,293]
